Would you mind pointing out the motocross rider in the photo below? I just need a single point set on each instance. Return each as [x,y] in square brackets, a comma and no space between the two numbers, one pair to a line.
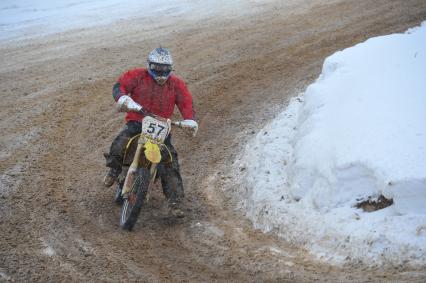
[156,90]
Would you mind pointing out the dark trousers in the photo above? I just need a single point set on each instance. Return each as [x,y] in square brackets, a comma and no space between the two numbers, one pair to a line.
[169,173]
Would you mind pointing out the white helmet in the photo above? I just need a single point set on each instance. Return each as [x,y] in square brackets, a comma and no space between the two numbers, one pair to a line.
[160,64]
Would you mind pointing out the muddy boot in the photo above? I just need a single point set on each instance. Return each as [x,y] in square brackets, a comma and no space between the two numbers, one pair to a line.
[175,211]
[111,177]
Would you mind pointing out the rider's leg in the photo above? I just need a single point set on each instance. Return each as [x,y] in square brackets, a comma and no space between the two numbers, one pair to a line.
[116,153]
[171,179]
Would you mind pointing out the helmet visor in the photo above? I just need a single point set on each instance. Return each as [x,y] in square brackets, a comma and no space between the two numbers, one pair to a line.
[161,70]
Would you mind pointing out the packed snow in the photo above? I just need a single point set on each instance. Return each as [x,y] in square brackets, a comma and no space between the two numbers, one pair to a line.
[357,133]
[21,19]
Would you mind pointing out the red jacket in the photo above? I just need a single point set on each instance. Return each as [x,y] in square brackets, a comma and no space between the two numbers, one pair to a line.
[157,99]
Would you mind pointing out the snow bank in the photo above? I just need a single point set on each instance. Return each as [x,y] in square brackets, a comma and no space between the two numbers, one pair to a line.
[20,19]
[358,132]
[30,18]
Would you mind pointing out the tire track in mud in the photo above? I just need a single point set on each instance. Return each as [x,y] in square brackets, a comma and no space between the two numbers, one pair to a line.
[60,223]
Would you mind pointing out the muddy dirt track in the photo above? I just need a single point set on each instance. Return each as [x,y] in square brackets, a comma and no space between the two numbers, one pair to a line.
[58,223]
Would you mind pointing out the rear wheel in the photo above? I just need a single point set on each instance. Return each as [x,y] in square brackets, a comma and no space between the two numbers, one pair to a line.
[133,201]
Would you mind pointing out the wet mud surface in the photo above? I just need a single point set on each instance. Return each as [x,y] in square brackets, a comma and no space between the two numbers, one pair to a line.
[58,223]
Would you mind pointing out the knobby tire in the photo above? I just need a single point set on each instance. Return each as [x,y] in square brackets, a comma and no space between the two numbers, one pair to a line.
[130,212]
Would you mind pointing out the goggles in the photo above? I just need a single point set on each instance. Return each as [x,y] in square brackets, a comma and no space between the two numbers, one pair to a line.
[160,67]
[160,70]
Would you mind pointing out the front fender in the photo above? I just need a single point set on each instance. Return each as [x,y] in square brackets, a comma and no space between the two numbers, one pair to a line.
[152,152]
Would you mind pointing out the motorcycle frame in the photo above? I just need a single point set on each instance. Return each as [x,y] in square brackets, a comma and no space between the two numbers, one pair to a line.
[135,165]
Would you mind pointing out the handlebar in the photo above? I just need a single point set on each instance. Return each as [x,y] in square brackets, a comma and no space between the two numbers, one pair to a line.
[147,113]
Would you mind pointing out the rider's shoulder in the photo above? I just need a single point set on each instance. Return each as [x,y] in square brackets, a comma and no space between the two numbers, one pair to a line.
[176,80]
[137,72]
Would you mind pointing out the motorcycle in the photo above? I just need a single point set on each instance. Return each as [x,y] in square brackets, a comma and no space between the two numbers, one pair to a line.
[142,155]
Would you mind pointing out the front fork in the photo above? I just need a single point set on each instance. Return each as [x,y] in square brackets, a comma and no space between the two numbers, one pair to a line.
[131,173]
[153,173]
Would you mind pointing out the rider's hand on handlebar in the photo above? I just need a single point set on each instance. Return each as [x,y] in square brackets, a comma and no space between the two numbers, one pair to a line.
[125,104]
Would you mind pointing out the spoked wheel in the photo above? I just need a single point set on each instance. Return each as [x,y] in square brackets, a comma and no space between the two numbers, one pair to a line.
[133,201]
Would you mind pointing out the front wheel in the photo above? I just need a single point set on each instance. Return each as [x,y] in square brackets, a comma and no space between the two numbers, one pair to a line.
[133,201]
[118,198]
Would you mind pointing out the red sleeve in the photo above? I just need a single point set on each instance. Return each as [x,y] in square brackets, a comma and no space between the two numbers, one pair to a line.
[126,83]
[184,101]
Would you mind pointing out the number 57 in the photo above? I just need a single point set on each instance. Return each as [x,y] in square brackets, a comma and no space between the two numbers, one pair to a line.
[153,127]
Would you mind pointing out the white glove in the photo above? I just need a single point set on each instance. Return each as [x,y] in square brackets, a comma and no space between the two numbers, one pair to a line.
[189,124]
[125,104]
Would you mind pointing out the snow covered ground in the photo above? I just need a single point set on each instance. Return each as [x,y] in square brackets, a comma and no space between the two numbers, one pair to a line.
[358,132]
[21,19]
